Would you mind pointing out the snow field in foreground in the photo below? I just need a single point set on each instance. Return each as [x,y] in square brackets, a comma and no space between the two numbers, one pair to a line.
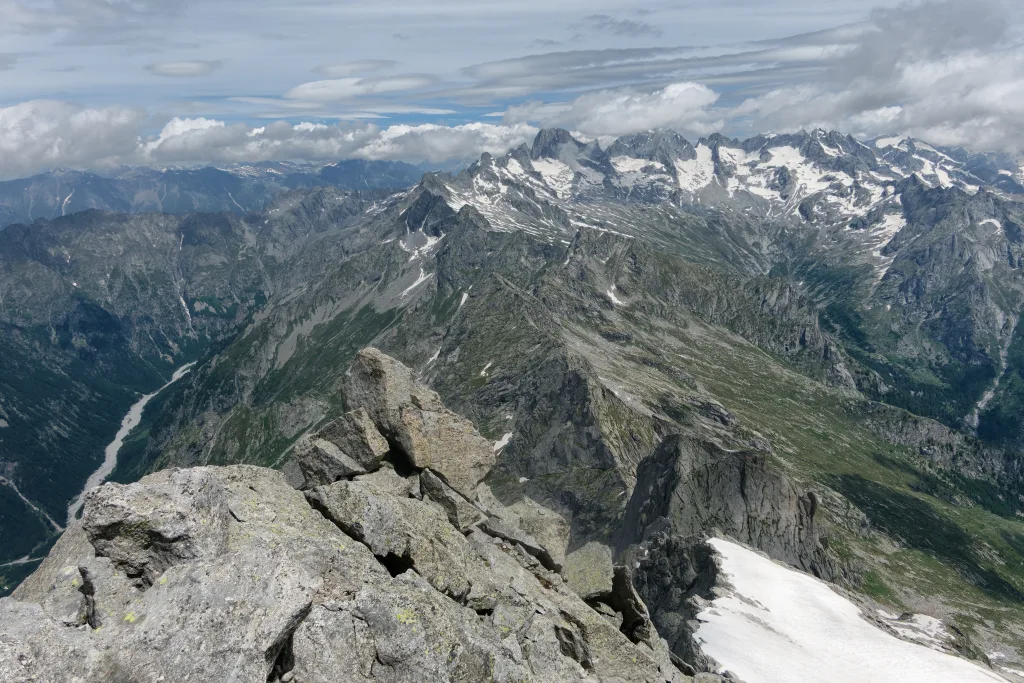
[781,625]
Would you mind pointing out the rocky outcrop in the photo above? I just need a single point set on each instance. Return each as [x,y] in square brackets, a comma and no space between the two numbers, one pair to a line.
[935,442]
[231,574]
[220,574]
[696,486]
[385,558]
[677,576]
[416,423]
[688,489]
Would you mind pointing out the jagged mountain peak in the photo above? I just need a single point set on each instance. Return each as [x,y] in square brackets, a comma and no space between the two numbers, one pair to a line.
[550,142]
[662,145]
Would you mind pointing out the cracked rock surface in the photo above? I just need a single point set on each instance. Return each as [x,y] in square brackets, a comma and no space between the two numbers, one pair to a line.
[364,584]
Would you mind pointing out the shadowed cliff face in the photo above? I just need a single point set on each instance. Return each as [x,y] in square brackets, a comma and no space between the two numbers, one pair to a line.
[690,487]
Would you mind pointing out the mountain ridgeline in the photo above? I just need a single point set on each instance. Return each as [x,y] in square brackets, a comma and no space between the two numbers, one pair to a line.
[829,320]
[235,189]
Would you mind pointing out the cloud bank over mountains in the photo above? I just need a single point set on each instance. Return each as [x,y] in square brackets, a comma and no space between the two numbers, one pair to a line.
[950,72]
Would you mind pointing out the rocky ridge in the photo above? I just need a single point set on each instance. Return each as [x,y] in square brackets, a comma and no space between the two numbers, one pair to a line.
[229,573]
[379,554]
[912,252]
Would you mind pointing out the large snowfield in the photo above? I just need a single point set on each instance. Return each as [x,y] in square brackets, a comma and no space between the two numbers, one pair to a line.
[781,625]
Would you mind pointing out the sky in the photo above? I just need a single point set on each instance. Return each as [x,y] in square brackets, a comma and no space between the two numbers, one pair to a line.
[100,83]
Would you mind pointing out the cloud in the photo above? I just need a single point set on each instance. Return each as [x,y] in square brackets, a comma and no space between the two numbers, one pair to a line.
[355,68]
[555,62]
[603,23]
[347,88]
[45,134]
[186,69]
[40,135]
[685,107]
[562,72]
[435,143]
[947,72]
[203,140]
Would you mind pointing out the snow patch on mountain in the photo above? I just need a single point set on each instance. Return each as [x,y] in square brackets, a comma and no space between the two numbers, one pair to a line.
[557,175]
[779,624]
[696,174]
[504,441]
[423,277]
[738,158]
[898,142]
[918,628]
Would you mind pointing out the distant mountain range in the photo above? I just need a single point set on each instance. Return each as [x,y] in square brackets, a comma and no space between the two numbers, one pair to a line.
[235,189]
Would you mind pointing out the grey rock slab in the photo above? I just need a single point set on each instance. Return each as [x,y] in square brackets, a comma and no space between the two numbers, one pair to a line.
[357,436]
[506,531]
[406,632]
[589,570]
[387,481]
[217,620]
[381,385]
[145,528]
[323,462]
[293,473]
[548,527]
[34,648]
[445,443]
[403,531]
[461,513]
[415,421]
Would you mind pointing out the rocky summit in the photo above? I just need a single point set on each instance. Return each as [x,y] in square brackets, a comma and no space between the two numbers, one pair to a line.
[395,568]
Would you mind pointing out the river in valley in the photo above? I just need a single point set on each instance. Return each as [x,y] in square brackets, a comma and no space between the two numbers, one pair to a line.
[130,422]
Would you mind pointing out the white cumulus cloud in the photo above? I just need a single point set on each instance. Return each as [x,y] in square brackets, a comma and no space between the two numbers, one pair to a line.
[945,72]
[37,136]
[686,107]
[45,134]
